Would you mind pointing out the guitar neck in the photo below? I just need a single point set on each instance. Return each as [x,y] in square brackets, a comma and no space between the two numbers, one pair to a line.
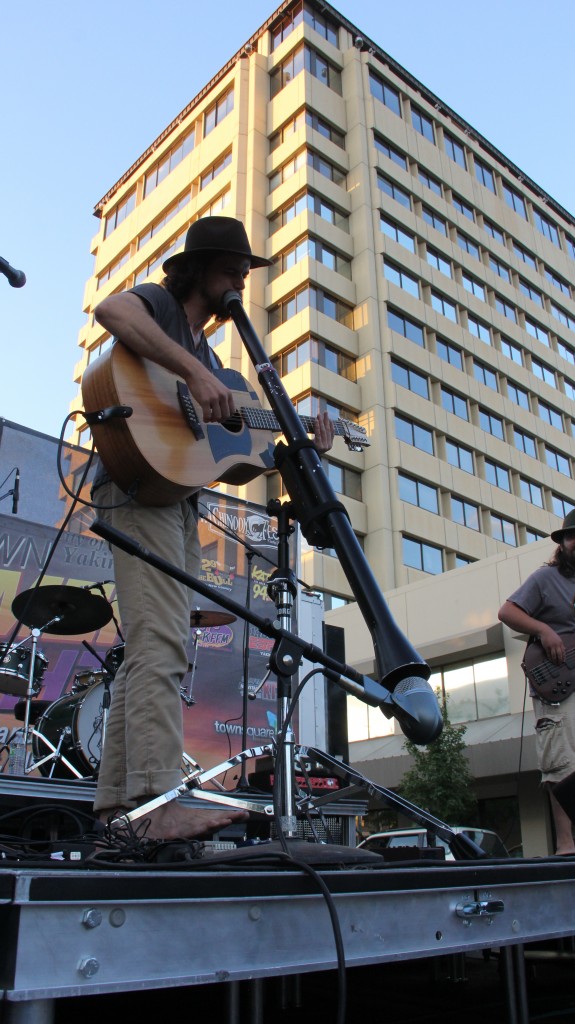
[265,419]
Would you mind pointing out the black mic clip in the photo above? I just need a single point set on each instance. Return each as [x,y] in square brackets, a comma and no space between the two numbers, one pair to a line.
[112,412]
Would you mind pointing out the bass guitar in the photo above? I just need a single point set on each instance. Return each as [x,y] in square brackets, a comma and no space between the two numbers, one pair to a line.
[551,683]
[151,437]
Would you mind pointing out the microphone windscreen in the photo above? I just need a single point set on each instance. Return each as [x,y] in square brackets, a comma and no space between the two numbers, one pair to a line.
[417,710]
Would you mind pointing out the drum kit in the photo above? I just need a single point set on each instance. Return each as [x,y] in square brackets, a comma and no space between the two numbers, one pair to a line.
[66,735]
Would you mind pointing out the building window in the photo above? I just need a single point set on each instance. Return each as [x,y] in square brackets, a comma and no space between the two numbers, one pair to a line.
[218,111]
[441,304]
[416,492]
[494,232]
[484,375]
[312,404]
[557,461]
[343,480]
[422,124]
[390,152]
[315,351]
[570,243]
[463,207]
[169,161]
[491,423]
[459,456]
[558,282]
[316,298]
[322,127]
[522,253]
[435,259]
[563,316]
[484,175]
[385,93]
[533,535]
[546,227]
[532,293]
[503,530]
[566,351]
[467,245]
[430,182]
[512,351]
[216,168]
[393,190]
[478,329]
[315,250]
[524,443]
[471,284]
[304,58]
[518,395]
[545,373]
[119,213]
[497,475]
[114,267]
[397,233]
[531,492]
[166,217]
[313,202]
[514,200]
[465,513]
[434,220]
[410,379]
[427,557]
[413,434]
[550,415]
[449,353]
[454,403]
[404,325]
[454,150]
[476,689]
[499,268]
[395,275]
[537,331]
[506,308]
[561,507]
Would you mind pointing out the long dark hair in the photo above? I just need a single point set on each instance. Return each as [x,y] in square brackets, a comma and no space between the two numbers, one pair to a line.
[563,563]
[182,280]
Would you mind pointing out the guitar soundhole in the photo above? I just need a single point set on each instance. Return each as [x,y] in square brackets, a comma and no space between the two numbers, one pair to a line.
[234,424]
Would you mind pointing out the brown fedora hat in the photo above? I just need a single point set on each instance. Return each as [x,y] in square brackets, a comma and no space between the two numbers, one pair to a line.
[216,234]
[568,524]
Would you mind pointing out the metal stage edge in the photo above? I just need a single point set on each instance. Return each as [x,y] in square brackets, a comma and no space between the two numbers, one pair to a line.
[77,932]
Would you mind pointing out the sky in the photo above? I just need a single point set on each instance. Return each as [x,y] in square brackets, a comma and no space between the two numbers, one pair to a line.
[88,86]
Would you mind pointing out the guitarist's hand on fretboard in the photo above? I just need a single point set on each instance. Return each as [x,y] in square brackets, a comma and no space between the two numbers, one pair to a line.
[324,432]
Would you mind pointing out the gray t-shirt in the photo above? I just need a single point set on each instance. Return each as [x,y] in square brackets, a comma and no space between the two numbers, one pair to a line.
[548,596]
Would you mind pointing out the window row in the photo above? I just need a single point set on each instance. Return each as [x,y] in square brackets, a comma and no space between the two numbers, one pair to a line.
[460,154]
[314,350]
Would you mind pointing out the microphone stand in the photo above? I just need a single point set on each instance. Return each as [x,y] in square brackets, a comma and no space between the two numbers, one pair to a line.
[323,519]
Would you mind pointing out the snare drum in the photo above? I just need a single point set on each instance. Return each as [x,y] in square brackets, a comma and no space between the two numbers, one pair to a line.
[15,670]
[82,713]
[87,677]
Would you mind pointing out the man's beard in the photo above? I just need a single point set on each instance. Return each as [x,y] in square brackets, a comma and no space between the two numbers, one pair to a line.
[216,305]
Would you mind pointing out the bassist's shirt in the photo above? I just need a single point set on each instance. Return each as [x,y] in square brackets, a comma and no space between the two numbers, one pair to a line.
[170,316]
[548,596]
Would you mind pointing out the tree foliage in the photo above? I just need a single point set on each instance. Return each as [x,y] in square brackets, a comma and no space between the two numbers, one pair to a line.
[440,780]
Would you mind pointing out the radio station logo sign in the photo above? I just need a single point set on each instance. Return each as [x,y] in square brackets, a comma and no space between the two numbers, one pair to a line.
[249,523]
[217,574]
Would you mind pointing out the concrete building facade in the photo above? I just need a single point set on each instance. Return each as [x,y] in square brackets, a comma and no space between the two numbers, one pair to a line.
[422,286]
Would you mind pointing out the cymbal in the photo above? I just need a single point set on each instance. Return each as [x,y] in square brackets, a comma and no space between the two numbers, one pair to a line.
[201,620]
[79,610]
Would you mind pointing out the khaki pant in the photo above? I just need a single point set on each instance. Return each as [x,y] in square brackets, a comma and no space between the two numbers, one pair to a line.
[144,733]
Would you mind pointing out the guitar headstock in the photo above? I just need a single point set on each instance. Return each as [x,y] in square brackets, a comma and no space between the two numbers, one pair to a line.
[354,436]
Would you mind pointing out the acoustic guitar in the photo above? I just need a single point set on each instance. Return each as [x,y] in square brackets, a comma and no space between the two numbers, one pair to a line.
[149,432]
[551,683]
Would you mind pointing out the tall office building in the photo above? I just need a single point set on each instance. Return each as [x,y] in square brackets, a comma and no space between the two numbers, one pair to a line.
[421,285]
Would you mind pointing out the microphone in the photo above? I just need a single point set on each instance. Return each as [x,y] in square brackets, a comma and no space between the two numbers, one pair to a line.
[414,705]
[96,586]
[17,278]
[16,493]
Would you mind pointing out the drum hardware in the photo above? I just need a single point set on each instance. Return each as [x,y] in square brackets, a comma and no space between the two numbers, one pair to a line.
[58,610]
[200,620]
[74,723]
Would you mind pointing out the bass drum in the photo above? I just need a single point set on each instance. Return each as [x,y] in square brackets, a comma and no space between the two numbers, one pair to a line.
[81,714]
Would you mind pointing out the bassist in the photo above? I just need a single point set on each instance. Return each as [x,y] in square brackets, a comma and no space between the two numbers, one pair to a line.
[542,607]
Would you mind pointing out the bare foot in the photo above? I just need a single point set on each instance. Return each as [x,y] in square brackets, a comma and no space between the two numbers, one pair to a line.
[565,851]
[175,821]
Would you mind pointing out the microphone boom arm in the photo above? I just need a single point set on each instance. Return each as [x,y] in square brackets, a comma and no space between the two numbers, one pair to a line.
[324,522]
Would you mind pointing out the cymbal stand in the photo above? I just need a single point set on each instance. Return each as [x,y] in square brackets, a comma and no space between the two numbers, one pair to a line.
[186,691]
[27,732]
